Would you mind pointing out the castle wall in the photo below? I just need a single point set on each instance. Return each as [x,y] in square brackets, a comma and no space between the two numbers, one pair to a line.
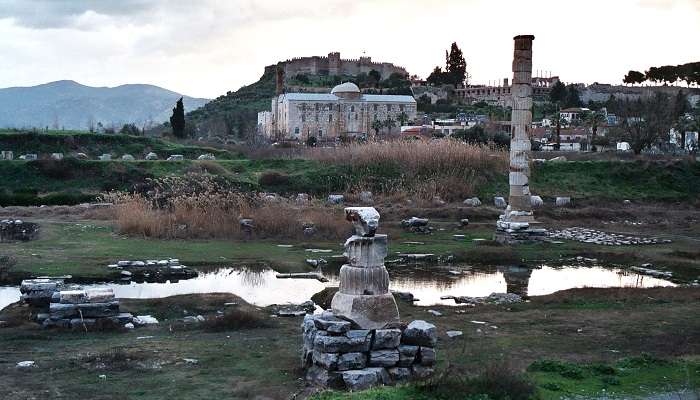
[334,65]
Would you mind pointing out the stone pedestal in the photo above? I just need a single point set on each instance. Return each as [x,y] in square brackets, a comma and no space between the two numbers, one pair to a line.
[364,295]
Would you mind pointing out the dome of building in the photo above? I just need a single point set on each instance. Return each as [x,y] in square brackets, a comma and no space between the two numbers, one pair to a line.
[347,87]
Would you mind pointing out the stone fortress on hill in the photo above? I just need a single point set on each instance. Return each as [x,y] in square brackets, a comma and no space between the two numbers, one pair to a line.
[344,112]
[334,65]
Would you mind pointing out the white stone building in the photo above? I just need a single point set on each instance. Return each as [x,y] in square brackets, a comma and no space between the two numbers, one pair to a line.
[344,112]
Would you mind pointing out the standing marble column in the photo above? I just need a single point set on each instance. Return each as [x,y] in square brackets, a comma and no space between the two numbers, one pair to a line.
[514,225]
[521,120]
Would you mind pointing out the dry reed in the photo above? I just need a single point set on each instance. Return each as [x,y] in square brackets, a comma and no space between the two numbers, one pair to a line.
[197,207]
[446,168]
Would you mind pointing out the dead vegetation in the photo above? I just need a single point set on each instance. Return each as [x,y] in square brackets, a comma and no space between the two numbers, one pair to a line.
[446,168]
[6,262]
[198,207]
[113,359]
[235,319]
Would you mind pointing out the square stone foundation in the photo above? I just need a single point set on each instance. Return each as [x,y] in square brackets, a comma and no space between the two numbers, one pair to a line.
[336,355]
[518,233]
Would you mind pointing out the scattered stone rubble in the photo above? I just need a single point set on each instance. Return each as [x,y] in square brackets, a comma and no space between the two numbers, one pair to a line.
[598,237]
[472,202]
[153,270]
[18,230]
[207,156]
[338,355]
[336,198]
[70,306]
[493,298]
[499,202]
[417,225]
[536,201]
[562,201]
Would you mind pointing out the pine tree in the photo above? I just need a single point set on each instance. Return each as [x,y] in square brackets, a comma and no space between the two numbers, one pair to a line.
[177,121]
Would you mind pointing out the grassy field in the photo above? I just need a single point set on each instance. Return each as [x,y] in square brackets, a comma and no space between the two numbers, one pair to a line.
[84,248]
[591,351]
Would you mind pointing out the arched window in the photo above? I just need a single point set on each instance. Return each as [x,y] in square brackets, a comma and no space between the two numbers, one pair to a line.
[352,108]
[330,118]
[320,132]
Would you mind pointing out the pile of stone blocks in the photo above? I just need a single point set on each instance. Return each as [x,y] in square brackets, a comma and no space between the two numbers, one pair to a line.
[18,230]
[338,355]
[511,231]
[72,307]
[83,308]
[38,292]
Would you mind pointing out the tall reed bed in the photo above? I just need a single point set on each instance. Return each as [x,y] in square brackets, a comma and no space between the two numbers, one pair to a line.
[447,168]
[197,207]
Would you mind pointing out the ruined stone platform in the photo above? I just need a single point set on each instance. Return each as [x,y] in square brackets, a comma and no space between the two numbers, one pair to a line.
[16,230]
[338,355]
[518,233]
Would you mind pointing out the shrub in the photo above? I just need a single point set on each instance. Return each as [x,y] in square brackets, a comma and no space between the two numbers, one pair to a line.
[7,262]
[235,319]
[496,382]
[564,369]
[272,178]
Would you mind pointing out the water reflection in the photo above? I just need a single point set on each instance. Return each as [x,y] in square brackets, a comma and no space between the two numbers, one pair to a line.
[427,282]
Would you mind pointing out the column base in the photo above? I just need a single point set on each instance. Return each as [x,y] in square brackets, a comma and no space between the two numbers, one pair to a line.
[367,311]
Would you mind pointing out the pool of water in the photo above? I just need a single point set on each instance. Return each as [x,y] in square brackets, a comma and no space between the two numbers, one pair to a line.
[260,286]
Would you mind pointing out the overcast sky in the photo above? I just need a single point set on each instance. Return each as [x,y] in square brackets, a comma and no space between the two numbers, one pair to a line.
[204,48]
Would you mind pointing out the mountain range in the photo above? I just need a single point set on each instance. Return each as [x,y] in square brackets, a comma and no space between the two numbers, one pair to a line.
[70,105]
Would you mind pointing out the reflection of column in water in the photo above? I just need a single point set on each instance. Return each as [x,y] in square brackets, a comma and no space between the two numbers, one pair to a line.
[517,279]
[253,277]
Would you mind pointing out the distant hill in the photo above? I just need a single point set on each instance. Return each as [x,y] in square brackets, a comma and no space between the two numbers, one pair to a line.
[70,105]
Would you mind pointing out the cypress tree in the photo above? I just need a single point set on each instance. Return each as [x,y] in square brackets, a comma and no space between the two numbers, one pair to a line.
[177,121]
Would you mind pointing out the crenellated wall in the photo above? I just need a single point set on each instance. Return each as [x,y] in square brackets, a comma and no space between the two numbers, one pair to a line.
[334,65]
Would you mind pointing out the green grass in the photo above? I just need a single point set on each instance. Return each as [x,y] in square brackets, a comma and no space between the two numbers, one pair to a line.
[637,376]
[73,181]
[94,144]
[631,377]
[85,249]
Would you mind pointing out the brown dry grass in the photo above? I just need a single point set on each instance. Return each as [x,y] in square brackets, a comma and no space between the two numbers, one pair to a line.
[448,169]
[177,209]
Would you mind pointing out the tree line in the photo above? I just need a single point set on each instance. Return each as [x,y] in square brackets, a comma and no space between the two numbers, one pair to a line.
[667,74]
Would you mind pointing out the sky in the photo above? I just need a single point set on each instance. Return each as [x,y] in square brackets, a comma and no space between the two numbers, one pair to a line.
[205,48]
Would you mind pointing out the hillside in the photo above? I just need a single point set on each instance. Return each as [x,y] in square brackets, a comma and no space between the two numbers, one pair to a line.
[236,113]
[70,105]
